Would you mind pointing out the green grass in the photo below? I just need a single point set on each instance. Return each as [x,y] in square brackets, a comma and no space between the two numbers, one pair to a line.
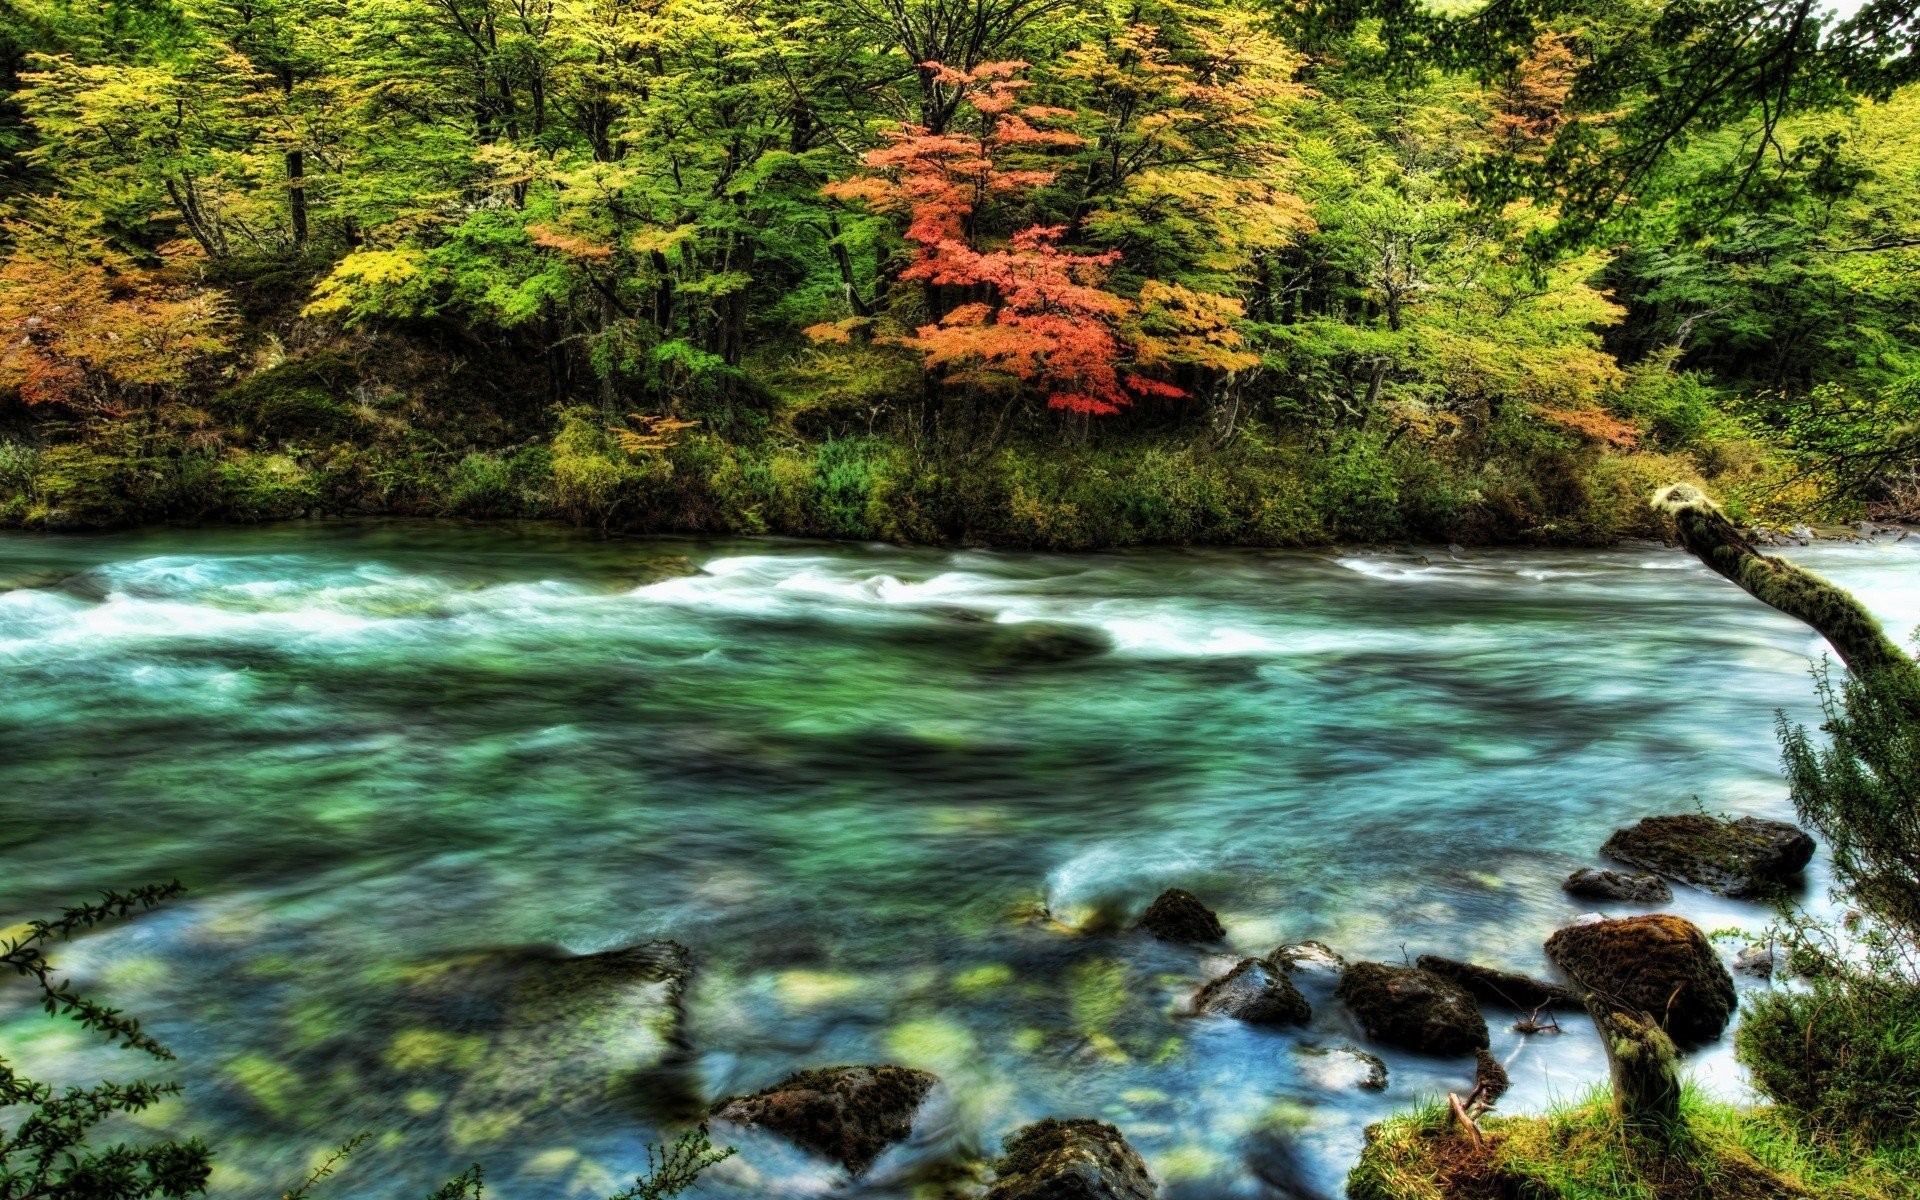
[1580,1151]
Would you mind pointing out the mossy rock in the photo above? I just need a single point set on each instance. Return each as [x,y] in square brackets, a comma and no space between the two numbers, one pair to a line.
[849,1114]
[1745,857]
[1492,986]
[1077,1159]
[1413,1009]
[1590,884]
[1254,992]
[299,397]
[1660,965]
[1177,915]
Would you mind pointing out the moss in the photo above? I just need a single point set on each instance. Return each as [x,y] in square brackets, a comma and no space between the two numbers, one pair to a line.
[1661,964]
[1176,915]
[264,486]
[1581,1151]
[310,397]
[850,1113]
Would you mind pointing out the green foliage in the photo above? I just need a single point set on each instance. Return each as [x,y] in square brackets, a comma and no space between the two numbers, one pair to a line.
[1861,792]
[49,1155]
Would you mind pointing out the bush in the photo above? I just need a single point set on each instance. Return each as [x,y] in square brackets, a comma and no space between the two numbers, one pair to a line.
[256,487]
[1843,1055]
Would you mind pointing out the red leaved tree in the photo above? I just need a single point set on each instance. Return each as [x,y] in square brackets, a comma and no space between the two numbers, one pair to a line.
[1032,312]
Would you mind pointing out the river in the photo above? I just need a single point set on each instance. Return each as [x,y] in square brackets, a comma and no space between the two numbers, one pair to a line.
[882,793]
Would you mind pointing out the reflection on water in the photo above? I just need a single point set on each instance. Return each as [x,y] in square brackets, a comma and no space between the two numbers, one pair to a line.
[855,782]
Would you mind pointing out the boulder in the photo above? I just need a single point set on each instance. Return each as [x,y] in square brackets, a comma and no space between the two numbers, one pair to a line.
[1077,1159]
[1256,993]
[1590,884]
[1308,958]
[1733,858]
[1499,987]
[1660,965]
[1414,1009]
[848,1114]
[1178,916]
[1756,961]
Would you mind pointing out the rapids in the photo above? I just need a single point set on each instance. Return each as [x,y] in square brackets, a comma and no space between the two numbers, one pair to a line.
[855,781]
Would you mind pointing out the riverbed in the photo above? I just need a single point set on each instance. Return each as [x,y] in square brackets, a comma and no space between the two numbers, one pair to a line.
[893,800]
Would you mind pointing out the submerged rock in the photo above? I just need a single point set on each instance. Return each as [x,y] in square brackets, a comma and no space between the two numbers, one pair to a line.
[1256,993]
[566,1032]
[1035,642]
[1178,916]
[1590,884]
[1499,987]
[1733,858]
[1661,965]
[1076,1159]
[1490,1080]
[1344,1066]
[1308,958]
[1415,1009]
[848,1114]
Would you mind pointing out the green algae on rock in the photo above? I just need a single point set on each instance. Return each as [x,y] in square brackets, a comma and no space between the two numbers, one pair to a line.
[1414,1009]
[1742,857]
[1076,1159]
[1660,964]
[850,1114]
[1176,915]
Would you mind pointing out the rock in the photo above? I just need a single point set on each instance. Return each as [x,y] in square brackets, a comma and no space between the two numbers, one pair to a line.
[1178,916]
[1591,884]
[1756,961]
[1308,958]
[1035,642]
[565,1032]
[1415,1009]
[1076,1159]
[1588,919]
[1661,965]
[1733,858]
[848,1114]
[1499,987]
[1344,1066]
[1254,992]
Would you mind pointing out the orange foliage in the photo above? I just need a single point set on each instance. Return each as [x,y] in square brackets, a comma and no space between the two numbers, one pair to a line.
[568,244]
[84,326]
[1530,103]
[1049,325]
[1596,424]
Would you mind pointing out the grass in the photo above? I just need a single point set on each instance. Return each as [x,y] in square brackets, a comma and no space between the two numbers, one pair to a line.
[1580,1151]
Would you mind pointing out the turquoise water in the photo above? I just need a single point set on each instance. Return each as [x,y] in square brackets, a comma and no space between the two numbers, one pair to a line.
[886,796]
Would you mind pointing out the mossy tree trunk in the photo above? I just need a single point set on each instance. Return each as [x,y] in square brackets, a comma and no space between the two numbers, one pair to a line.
[1831,610]
[1644,1067]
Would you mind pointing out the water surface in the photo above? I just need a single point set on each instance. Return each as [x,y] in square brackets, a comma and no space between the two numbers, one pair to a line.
[872,789]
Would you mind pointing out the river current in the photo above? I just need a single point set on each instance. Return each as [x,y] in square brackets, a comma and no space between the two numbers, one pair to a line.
[890,798]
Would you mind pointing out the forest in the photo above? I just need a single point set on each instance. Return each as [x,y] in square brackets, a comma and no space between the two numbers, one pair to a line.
[1021,272]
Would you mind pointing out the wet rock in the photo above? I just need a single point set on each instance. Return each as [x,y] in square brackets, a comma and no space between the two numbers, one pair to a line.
[561,1032]
[1499,987]
[1490,1080]
[1343,1067]
[1589,883]
[1756,961]
[1415,1009]
[1178,916]
[1254,992]
[1661,965]
[1733,858]
[1076,1159]
[1308,958]
[848,1114]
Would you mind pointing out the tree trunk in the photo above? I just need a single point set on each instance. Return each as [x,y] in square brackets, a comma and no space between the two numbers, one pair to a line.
[845,262]
[297,196]
[1832,611]
[1642,1062]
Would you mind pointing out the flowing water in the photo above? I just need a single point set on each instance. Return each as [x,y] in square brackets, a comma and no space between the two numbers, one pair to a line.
[888,797]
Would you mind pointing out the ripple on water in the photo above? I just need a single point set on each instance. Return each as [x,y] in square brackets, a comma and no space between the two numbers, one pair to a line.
[890,825]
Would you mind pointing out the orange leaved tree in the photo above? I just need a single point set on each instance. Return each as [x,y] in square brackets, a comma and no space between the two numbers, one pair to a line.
[1017,308]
